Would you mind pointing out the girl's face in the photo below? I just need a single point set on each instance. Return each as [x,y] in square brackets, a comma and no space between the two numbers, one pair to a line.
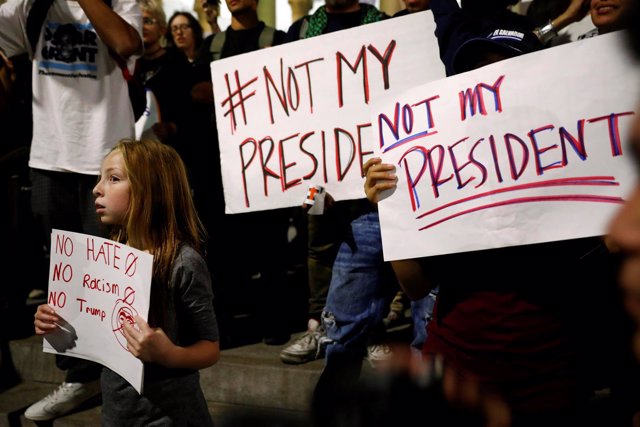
[113,190]
[182,33]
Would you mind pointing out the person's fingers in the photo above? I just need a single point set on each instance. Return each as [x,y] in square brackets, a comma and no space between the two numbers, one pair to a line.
[130,333]
[46,315]
[44,327]
[45,319]
[143,325]
[369,163]
[381,169]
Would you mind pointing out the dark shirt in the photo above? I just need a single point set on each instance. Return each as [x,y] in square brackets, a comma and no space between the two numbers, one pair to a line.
[519,318]
[454,26]
[236,42]
[244,41]
[170,396]
[170,78]
[335,22]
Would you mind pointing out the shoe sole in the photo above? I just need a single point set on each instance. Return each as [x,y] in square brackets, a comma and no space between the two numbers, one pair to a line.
[293,360]
[42,418]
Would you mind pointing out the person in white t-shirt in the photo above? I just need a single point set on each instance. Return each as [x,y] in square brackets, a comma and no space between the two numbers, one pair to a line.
[81,109]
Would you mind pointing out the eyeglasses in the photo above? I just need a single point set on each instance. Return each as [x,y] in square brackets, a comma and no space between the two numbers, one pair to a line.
[180,27]
[149,21]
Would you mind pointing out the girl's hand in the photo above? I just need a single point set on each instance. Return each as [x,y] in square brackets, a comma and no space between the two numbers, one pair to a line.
[147,344]
[379,177]
[45,320]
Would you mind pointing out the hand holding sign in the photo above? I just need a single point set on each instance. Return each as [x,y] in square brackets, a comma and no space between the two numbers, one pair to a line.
[147,344]
[95,287]
[45,320]
[379,177]
[509,164]
[298,114]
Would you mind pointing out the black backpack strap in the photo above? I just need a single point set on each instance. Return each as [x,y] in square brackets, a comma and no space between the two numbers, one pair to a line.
[35,21]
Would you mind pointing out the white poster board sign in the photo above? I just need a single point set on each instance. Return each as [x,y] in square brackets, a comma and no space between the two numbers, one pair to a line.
[95,285]
[523,151]
[300,113]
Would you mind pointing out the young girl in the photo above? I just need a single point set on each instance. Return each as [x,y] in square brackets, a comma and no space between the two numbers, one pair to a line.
[144,194]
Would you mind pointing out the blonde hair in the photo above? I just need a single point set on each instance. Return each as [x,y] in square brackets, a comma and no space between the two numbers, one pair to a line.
[155,10]
[161,214]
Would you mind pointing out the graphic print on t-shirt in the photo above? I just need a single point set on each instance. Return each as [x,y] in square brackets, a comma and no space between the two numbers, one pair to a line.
[69,50]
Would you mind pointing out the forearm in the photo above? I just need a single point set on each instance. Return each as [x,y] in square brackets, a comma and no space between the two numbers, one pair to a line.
[114,31]
[453,27]
[412,278]
[575,12]
[199,355]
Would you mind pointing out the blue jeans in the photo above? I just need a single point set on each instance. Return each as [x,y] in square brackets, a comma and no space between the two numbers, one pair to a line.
[362,286]
[421,312]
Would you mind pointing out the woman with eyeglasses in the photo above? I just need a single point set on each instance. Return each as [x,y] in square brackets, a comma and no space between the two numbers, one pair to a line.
[167,74]
[185,33]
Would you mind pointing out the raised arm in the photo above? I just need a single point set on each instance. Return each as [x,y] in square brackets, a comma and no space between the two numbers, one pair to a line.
[114,31]
[453,27]
[409,272]
[577,10]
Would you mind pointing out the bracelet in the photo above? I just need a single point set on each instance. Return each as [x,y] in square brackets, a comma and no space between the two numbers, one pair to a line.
[546,33]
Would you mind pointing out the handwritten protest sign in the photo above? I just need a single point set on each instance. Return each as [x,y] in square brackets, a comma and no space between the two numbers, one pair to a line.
[523,151]
[95,285]
[299,114]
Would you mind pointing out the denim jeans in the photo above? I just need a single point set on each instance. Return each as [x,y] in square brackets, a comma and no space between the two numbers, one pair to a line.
[362,286]
[325,233]
[421,312]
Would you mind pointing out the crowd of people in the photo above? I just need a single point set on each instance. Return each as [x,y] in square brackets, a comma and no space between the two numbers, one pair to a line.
[89,170]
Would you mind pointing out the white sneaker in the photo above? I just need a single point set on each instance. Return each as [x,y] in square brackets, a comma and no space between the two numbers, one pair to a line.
[378,354]
[308,347]
[62,400]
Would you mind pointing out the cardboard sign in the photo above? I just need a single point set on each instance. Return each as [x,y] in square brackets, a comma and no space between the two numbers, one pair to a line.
[95,285]
[523,151]
[299,114]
